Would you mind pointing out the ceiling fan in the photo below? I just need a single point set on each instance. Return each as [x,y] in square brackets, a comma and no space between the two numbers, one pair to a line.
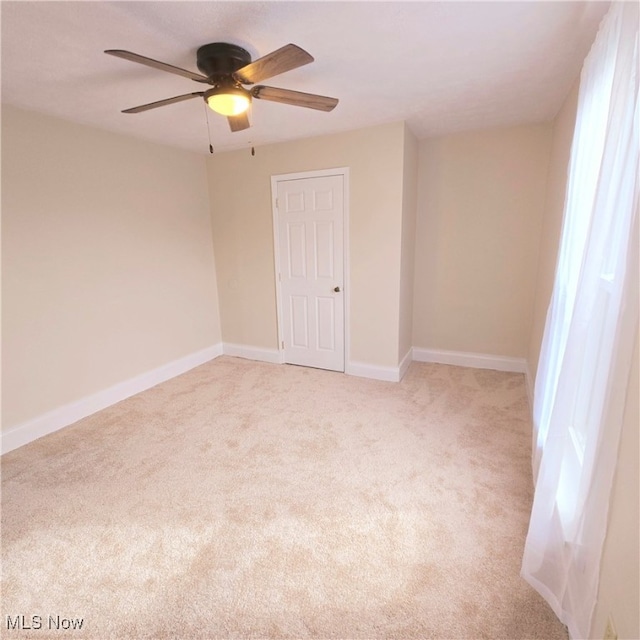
[226,67]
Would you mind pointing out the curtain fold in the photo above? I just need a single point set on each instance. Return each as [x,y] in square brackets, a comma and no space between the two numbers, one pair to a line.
[591,323]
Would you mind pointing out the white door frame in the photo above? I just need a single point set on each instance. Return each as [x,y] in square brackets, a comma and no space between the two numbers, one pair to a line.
[340,171]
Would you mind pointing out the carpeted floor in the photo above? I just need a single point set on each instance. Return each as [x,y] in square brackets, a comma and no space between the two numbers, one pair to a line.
[250,500]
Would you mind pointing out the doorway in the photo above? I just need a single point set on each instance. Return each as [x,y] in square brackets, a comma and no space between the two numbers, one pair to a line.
[310,248]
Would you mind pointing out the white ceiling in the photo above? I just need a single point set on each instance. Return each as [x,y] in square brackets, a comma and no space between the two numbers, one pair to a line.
[441,66]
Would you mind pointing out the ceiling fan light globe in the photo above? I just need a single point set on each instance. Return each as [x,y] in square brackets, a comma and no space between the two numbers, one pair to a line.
[228,104]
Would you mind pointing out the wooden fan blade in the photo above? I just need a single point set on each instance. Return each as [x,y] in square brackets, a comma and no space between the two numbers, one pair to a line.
[155,64]
[296,98]
[284,59]
[239,122]
[162,103]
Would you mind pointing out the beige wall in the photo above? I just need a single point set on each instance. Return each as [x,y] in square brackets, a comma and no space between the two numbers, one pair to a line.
[407,265]
[107,261]
[240,194]
[480,206]
[552,222]
[480,200]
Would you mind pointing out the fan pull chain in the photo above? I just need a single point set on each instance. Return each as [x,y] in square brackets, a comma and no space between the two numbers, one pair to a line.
[206,117]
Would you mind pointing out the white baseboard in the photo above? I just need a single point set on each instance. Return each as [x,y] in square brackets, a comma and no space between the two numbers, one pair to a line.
[252,353]
[360,369]
[68,414]
[530,382]
[393,374]
[404,364]
[473,360]
[376,372]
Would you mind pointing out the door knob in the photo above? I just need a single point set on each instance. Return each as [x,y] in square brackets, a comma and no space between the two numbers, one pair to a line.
[336,289]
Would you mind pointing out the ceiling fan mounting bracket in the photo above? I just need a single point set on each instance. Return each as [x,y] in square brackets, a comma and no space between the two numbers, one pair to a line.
[221,59]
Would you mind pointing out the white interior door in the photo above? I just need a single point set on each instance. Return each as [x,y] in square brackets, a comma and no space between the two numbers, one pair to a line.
[310,221]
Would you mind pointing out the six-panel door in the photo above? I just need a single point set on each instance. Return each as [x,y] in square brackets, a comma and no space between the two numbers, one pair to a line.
[310,215]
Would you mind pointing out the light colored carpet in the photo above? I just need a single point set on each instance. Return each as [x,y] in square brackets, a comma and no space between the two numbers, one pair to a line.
[249,500]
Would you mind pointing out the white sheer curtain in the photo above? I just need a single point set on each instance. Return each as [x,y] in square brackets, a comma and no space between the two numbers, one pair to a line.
[591,323]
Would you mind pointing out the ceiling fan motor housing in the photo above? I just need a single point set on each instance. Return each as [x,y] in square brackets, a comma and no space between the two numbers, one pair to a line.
[220,59]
